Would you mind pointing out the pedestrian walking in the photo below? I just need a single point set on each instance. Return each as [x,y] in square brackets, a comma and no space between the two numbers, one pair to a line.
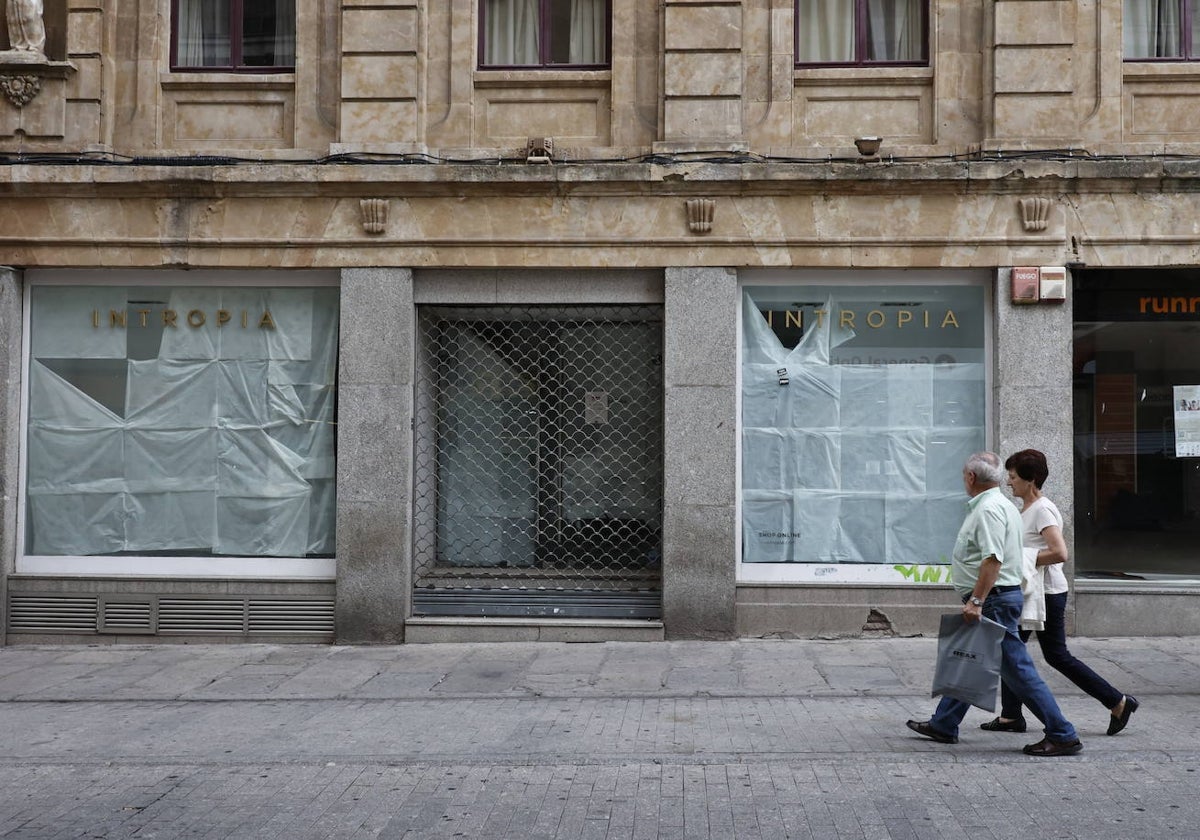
[986,571]
[1042,524]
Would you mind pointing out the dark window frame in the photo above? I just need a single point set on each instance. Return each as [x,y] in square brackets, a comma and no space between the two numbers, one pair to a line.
[545,48]
[236,47]
[1190,50]
[862,41]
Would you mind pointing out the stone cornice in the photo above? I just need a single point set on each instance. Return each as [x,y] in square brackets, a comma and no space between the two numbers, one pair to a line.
[276,178]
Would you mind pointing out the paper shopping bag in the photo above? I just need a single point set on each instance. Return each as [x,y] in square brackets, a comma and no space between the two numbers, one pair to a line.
[968,660]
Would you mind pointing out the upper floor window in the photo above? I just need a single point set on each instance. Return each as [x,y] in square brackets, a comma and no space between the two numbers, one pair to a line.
[861,31]
[234,35]
[544,33]
[1162,29]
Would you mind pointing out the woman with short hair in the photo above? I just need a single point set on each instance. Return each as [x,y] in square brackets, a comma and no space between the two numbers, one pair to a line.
[1027,472]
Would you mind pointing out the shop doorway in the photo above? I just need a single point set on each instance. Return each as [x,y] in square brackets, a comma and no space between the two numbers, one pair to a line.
[1137,424]
[538,462]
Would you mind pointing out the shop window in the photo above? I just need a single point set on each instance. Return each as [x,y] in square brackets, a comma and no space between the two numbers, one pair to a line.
[860,404]
[244,35]
[544,33]
[169,422]
[1162,29]
[860,32]
[1137,424]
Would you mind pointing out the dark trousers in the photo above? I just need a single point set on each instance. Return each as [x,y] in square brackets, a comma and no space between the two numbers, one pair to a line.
[1053,641]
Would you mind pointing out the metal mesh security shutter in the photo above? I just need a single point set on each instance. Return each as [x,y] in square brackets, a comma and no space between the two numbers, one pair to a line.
[538,462]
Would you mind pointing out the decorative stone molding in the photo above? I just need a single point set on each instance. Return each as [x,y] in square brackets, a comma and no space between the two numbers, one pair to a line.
[1034,213]
[374,213]
[20,89]
[700,213]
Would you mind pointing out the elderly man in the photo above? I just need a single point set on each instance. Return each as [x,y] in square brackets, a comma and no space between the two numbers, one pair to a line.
[986,571]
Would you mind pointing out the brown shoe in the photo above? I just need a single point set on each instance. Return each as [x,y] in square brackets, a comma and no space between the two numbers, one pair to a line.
[923,727]
[1049,749]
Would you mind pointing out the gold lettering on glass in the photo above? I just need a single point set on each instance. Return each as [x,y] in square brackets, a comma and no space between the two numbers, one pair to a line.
[169,318]
[116,318]
[875,319]
[266,322]
[195,318]
[223,317]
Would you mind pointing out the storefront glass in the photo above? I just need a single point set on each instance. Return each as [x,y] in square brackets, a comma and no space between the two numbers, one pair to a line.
[181,421]
[860,403]
[1137,424]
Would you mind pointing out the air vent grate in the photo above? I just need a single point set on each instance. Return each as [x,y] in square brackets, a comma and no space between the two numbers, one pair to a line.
[201,615]
[127,616]
[51,614]
[294,616]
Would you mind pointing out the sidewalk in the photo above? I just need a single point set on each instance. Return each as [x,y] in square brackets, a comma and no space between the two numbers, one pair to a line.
[742,739]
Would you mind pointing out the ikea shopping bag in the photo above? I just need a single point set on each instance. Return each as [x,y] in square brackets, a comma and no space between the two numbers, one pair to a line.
[968,660]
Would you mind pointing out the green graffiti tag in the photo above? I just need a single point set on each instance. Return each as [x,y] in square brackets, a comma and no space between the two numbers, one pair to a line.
[924,574]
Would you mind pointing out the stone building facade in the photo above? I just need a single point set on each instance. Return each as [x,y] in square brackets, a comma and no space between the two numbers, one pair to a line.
[388,335]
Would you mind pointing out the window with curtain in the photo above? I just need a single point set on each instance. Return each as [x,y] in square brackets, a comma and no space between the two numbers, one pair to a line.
[550,33]
[861,31]
[1162,30]
[234,35]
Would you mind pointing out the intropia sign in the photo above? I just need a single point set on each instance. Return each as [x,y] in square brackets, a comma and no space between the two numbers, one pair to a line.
[193,318]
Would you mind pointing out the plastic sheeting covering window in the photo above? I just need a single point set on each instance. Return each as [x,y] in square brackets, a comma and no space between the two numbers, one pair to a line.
[859,406]
[182,421]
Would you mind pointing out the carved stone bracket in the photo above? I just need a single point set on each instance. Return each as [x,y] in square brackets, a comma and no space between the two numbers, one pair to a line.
[1035,213]
[20,89]
[23,74]
[700,212]
[374,214]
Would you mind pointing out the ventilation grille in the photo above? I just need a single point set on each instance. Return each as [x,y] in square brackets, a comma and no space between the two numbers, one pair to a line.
[170,616]
[127,616]
[201,615]
[291,617]
[51,614]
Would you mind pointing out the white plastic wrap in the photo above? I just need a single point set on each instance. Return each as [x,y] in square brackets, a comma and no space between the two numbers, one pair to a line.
[851,463]
[226,444]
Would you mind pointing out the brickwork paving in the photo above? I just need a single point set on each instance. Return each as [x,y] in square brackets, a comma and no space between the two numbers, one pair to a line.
[534,742]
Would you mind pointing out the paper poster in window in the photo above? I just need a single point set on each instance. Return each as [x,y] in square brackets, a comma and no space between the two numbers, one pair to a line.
[1187,421]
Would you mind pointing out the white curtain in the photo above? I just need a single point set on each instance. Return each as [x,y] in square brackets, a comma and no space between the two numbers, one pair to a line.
[285,33]
[894,30]
[511,34]
[1152,28]
[588,31]
[203,33]
[826,31]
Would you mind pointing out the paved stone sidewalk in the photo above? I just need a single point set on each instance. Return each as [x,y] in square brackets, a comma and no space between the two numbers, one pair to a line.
[747,739]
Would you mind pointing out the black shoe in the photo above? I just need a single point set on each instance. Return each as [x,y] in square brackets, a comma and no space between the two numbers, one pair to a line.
[922,727]
[1050,749]
[1116,724]
[997,725]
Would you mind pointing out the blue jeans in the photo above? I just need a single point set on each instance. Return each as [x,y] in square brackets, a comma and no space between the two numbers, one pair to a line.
[1016,670]
[1053,641]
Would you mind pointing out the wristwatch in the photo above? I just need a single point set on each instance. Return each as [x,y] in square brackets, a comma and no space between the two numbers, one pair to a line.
[976,601]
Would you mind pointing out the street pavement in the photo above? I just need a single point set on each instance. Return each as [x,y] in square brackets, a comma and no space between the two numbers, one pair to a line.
[757,739]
